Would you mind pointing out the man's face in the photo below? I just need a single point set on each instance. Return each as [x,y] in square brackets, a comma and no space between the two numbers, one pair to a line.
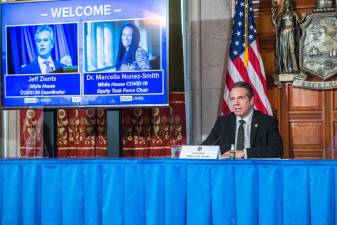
[241,104]
[127,37]
[44,44]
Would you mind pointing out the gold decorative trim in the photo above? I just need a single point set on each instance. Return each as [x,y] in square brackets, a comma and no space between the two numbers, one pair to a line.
[178,102]
[81,148]
[146,148]
[30,148]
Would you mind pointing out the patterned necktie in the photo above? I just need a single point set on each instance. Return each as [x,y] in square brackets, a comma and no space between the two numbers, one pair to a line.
[48,68]
[240,141]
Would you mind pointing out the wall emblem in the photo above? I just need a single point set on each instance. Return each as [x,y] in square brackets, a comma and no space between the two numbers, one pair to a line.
[317,49]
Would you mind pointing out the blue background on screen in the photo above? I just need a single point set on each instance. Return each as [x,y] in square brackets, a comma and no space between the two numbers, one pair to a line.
[71,39]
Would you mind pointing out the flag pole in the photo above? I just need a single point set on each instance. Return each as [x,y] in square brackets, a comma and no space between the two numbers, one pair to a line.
[246,55]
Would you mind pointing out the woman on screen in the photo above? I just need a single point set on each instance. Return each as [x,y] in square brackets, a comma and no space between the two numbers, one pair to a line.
[131,56]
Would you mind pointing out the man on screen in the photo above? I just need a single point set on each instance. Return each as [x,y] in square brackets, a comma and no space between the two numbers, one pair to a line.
[44,40]
[253,134]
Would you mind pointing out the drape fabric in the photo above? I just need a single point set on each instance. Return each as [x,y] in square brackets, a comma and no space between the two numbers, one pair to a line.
[31,128]
[158,192]
[81,133]
[150,132]
[146,132]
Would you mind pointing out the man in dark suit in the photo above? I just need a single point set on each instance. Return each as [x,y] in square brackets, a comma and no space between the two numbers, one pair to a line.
[44,39]
[252,133]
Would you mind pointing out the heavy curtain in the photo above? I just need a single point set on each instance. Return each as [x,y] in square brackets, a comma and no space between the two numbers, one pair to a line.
[146,132]
[81,133]
[150,132]
[31,129]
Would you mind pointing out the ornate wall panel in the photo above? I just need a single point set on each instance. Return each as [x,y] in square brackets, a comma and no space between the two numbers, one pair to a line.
[274,94]
[307,118]
[268,56]
[263,27]
[333,142]
[335,101]
[306,138]
[305,4]
[306,100]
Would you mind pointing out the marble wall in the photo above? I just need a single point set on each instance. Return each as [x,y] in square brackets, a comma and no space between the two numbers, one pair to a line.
[10,133]
[210,33]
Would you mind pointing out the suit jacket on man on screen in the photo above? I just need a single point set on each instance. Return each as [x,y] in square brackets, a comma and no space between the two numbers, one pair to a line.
[34,67]
[265,140]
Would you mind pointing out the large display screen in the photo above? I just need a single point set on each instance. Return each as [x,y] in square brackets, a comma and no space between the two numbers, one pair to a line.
[109,53]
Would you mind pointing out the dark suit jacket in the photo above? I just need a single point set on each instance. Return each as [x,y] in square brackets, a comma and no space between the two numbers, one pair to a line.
[265,140]
[34,68]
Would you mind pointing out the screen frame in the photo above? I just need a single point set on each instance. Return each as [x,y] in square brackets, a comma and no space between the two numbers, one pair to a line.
[107,106]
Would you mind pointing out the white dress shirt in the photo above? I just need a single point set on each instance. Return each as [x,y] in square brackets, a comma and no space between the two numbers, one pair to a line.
[43,66]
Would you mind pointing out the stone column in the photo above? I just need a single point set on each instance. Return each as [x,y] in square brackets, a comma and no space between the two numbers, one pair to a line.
[210,32]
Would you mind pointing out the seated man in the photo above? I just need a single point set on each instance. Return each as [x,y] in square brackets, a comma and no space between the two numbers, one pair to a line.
[44,39]
[253,134]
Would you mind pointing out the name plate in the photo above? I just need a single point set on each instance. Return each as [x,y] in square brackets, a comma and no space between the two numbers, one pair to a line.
[200,152]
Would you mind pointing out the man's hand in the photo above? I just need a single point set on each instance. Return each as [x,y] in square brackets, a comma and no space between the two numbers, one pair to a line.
[238,154]
[66,60]
[227,154]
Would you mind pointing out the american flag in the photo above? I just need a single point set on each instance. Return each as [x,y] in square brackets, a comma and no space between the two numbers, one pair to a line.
[245,62]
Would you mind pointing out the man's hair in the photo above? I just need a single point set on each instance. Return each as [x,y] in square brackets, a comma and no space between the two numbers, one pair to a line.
[45,28]
[245,85]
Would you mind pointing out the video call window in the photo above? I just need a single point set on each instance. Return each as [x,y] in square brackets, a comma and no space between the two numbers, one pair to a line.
[127,45]
[107,53]
[42,49]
